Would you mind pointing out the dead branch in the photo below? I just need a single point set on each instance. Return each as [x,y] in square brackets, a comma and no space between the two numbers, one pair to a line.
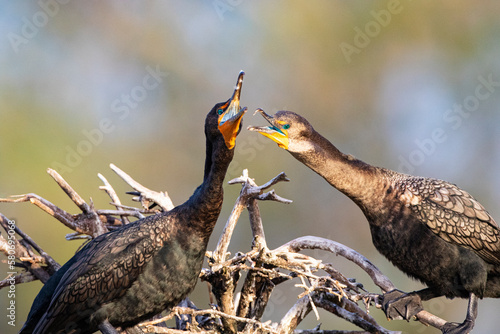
[51,209]
[18,279]
[150,328]
[375,274]
[224,293]
[320,284]
[310,242]
[114,197]
[22,252]
[146,196]
[248,194]
[320,331]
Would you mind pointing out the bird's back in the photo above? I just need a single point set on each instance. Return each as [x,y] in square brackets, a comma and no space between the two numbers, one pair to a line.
[125,276]
[437,233]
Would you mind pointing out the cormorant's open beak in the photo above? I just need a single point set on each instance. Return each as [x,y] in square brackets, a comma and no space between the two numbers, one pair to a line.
[275,132]
[230,115]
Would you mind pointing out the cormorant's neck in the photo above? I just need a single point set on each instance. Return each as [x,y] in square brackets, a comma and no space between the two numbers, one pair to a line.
[218,158]
[206,202]
[353,177]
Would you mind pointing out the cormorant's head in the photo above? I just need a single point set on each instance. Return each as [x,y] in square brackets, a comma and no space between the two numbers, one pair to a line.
[288,129]
[230,114]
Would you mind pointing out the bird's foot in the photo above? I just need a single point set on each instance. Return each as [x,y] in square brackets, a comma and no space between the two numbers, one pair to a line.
[399,305]
[457,328]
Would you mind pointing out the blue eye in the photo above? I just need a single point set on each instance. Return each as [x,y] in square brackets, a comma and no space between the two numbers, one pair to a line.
[286,126]
[220,112]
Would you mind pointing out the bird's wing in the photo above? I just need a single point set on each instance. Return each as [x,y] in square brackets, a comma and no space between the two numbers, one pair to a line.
[103,271]
[454,215]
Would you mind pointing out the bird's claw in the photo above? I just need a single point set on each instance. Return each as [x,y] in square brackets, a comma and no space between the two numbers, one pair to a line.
[457,328]
[399,305]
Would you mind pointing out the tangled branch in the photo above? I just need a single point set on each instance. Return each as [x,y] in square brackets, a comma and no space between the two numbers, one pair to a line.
[263,269]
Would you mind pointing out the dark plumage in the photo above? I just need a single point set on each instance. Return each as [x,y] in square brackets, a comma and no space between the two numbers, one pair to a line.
[430,229]
[131,274]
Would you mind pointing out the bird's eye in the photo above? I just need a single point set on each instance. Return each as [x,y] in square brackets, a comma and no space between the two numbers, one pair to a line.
[220,111]
[286,126]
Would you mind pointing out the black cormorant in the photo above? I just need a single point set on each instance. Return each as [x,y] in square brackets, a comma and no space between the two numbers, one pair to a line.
[131,274]
[430,229]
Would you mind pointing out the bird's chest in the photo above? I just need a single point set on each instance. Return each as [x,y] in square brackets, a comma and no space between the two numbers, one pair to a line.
[174,271]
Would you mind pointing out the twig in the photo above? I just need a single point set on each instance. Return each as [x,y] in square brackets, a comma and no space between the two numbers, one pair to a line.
[165,330]
[325,331]
[48,259]
[93,225]
[249,191]
[77,199]
[308,293]
[219,254]
[375,274]
[310,242]
[51,209]
[18,279]
[185,310]
[122,213]
[294,316]
[303,306]
[114,197]
[359,319]
[160,198]
[24,254]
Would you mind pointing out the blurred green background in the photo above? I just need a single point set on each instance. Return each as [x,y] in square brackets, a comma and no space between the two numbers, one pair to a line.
[411,86]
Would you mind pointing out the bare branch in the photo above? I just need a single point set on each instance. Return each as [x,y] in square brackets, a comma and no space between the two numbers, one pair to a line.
[18,279]
[271,196]
[51,209]
[77,199]
[259,237]
[310,242]
[186,310]
[325,331]
[114,197]
[375,274]
[281,177]
[249,191]
[219,254]
[265,268]
[123,213]
[25,255]
[295,315]
[303,306]
[53,265]
[160,198]
[360,319]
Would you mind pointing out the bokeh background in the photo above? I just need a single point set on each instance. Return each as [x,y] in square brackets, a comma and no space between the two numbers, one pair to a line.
[408,85]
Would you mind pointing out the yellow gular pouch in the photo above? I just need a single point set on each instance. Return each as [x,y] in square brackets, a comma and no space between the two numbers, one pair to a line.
[230,115]
[280,136]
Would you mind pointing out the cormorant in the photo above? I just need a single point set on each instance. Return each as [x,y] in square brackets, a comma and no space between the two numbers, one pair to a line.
[430,229]
[131,274]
